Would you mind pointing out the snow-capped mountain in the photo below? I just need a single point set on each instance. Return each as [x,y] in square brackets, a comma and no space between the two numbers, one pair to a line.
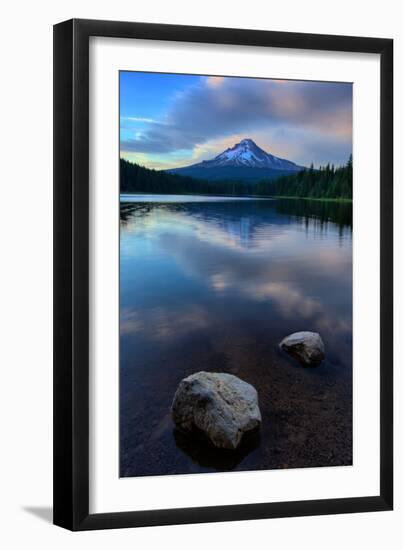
[243,161]
[247,153]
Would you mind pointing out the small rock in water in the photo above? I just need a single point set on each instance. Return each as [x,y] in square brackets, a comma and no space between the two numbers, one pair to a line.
[308,347]
[221,405]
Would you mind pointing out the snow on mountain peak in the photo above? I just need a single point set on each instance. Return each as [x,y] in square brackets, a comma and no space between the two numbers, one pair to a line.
[247,141]
[247,153]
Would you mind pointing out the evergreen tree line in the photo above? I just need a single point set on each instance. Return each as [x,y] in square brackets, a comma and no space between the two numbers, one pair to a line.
[325,182]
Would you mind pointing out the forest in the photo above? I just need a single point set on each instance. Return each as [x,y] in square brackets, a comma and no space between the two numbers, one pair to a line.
[325,182]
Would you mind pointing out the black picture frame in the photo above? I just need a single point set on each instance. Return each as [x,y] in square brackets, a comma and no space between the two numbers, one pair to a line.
[71,274]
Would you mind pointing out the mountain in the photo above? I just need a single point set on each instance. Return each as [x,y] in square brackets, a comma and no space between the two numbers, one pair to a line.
[243,161]
[247,153]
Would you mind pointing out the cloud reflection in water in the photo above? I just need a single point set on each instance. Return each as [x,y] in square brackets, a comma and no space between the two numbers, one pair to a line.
[215,286]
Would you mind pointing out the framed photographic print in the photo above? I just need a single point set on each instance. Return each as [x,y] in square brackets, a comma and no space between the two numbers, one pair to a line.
[223,322]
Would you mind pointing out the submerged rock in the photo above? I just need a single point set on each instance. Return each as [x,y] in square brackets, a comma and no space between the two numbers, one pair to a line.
[308,347]
[221,405]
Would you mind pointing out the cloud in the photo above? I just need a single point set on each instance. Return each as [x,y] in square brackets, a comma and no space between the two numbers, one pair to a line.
[218,107]
[215,81]
[138,119]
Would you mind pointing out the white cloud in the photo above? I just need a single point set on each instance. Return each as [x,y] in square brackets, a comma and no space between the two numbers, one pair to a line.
[138,119]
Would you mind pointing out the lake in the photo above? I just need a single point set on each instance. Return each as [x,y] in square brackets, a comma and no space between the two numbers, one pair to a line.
[214,284]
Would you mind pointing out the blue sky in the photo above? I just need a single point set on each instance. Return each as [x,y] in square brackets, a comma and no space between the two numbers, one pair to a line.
[169,120]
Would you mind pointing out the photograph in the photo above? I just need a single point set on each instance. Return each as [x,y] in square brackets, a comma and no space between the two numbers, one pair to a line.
[235,336]
[200,275]
[223,274]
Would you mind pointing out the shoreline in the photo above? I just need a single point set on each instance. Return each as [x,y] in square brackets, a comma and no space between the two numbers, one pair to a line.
[245,197]
[324,199]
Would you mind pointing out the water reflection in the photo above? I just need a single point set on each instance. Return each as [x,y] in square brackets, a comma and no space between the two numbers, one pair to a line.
[214,286]
[245,219]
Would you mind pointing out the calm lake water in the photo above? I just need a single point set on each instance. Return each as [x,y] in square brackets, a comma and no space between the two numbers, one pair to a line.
[214,284]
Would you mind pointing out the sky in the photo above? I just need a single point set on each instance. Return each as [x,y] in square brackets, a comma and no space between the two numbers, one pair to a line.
[169,120]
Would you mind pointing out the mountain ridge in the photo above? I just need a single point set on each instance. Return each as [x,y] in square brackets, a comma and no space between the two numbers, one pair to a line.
[244,161]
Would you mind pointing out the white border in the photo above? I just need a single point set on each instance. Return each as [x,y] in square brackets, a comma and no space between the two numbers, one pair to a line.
[108,493]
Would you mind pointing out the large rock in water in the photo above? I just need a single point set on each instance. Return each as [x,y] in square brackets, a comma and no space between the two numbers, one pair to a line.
[221,405]
[308,347]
